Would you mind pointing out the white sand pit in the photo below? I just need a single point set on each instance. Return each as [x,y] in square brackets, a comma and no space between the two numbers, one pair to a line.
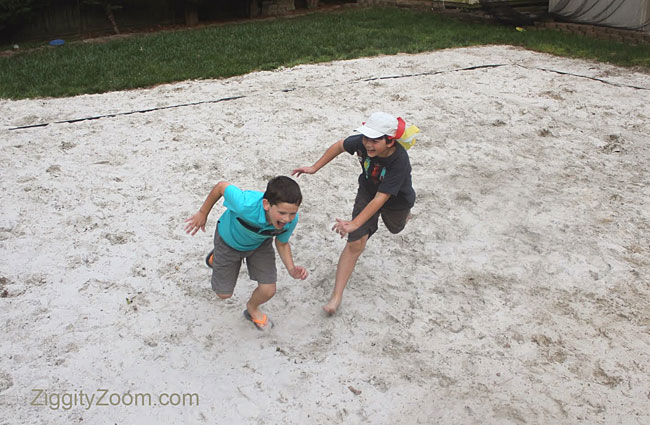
[518,293]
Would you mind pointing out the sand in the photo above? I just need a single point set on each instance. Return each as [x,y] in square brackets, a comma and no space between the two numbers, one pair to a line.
[518,294]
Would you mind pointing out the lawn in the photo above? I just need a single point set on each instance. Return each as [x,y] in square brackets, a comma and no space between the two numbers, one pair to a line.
[225,50]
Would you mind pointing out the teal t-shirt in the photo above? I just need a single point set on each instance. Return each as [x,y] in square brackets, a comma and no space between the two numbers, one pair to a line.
[247,205]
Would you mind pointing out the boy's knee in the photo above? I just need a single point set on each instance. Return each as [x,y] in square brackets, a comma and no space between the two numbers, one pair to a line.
[357,247]
[396,224]
[267,289]
[396,229]
[224,296]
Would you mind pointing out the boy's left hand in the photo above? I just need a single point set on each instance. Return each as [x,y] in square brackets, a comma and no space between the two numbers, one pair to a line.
[298,272]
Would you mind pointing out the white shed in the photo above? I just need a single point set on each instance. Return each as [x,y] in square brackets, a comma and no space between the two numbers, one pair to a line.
[625,14]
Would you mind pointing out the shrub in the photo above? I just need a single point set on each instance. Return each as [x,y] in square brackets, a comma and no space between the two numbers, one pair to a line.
[14,13]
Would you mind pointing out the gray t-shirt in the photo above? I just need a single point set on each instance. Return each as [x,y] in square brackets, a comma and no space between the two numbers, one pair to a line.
[391,175]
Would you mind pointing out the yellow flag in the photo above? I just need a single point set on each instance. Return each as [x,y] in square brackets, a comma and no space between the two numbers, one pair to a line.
[408,138]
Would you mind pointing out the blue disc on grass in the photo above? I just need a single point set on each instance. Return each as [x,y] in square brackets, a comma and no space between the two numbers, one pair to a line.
[57,42]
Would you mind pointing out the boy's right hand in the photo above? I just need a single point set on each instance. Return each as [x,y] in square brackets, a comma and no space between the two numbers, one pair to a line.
[196,222]
[303,170]
[299,272]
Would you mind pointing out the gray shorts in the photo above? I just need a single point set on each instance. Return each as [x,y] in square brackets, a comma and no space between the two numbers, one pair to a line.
[395,220]
[226,264]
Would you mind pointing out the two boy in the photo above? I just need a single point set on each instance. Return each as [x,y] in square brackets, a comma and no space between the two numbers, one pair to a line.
[251,220]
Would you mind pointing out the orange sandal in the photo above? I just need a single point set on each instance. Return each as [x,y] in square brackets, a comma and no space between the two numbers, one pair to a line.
[208,258]
[261,325]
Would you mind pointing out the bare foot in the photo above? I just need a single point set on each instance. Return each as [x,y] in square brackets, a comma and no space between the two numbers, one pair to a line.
[331,307]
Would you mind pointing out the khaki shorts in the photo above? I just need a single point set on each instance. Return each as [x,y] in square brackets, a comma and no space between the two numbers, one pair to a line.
[395,220]
[227,261]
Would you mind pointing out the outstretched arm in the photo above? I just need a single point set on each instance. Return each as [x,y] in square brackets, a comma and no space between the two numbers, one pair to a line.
[197,221]
[343,227]
[332,152]
[284,251]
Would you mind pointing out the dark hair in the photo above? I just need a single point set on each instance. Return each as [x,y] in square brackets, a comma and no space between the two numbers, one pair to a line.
[386,138]
[283,189]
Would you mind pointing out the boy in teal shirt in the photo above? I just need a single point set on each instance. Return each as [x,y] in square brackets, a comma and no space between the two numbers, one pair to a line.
[245,231]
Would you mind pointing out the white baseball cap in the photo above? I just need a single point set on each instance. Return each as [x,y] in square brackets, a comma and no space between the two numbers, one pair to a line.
[379,124]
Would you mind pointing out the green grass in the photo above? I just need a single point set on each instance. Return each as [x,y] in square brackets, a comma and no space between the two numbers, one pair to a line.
[233,49]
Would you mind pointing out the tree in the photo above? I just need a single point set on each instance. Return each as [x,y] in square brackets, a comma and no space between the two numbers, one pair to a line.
[14,13]
[250,8]
[109,6]
[192,11]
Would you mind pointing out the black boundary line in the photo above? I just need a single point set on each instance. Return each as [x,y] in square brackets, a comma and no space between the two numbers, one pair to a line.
[141,111]
[390,77]
[420,74]
[587,77]
[472,68]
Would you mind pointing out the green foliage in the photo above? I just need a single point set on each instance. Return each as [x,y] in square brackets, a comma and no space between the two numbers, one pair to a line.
[111,4]
[227,50]
[12,12]
[108,6]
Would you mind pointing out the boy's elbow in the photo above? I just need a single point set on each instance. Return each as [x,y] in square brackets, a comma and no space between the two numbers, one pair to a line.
[221,186]
[281,246]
